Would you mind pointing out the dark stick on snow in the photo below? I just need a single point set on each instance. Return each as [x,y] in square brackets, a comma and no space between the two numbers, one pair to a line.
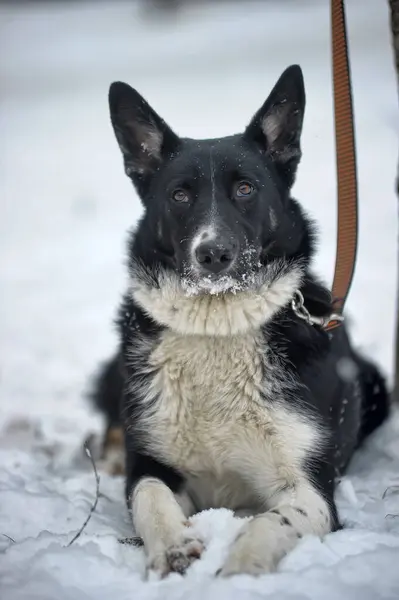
[131,541]
[94,505]
[9,538]
[393,489]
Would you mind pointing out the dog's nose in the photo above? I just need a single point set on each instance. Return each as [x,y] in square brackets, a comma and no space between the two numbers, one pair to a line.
[215,257]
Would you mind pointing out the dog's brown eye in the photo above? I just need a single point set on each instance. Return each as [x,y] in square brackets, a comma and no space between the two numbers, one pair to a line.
[244,190]
[180,197]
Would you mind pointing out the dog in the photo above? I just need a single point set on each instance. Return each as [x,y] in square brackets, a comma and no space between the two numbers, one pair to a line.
[227,397]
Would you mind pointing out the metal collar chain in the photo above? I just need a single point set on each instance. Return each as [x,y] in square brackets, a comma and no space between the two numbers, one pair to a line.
[299,308]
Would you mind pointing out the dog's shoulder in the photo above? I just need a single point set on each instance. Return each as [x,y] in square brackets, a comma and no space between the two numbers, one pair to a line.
[133,322]
[296,341]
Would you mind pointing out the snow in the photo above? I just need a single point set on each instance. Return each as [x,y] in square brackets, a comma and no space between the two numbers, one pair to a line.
[65,208]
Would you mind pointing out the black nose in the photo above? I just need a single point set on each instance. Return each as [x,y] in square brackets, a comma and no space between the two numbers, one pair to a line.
[214,256]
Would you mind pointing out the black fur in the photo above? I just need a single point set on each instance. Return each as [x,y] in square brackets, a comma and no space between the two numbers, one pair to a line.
[108,390]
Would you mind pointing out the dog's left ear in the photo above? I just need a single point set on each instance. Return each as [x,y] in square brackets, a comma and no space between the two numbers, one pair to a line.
[277,125]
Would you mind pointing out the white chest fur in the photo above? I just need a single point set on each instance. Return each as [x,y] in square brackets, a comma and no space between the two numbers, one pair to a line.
[215,420]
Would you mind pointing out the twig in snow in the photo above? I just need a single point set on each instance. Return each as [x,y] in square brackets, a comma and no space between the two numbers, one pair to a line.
[393,489]
[9,538]
[94,505]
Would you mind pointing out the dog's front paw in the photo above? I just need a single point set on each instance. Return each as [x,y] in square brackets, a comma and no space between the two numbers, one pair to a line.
[258,548]
[177,557]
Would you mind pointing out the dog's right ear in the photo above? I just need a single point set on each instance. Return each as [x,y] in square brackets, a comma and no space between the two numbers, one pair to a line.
[143,137]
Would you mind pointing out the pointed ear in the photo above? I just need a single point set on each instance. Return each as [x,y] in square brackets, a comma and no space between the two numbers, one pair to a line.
[143,137]
[277,125]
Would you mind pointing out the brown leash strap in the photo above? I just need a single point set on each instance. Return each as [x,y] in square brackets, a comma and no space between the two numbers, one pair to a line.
[346,163]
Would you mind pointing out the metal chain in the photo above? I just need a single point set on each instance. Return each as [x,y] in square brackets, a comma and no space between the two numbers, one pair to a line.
[299,308]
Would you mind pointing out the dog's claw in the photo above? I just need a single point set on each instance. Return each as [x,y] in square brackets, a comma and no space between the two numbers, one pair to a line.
[177,558]
[178,561]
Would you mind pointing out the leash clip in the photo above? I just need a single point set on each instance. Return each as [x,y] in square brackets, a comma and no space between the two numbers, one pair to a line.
[299,308]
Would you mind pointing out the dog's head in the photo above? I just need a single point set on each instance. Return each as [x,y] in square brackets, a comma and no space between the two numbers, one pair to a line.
[216,211]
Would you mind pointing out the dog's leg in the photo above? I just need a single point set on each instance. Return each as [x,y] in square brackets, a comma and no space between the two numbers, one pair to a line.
[294,512]
[106,395]
[113,451]
[160,516]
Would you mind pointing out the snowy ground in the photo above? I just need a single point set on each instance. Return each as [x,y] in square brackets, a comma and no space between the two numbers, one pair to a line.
[65,207]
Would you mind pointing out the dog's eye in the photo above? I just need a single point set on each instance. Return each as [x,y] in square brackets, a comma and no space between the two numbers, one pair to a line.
[180,196]
[243,189]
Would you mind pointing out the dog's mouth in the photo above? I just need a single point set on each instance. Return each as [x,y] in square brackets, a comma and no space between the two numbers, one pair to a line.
[242,275]
[196,283]
[212,285]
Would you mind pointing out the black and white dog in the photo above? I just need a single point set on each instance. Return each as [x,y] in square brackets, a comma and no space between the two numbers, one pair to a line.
[227,397]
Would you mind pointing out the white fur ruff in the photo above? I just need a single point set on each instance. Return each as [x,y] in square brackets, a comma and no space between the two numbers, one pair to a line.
[247,306]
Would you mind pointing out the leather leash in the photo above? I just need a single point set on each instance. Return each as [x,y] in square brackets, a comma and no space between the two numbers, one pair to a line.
[347,226]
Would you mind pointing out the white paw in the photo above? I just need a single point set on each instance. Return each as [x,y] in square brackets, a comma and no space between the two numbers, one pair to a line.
[177,557]
[259,547]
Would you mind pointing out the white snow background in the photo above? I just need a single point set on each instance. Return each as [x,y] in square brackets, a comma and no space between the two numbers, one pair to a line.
[65,208]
